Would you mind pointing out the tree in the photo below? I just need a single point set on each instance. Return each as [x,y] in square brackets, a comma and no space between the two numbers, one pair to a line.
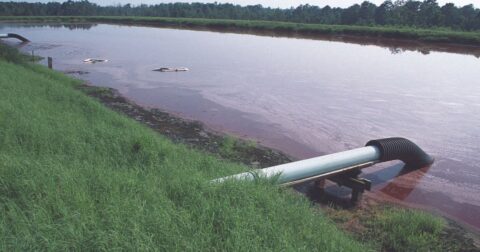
[350,15]
[410,12]
[366,13]
[451,15]
[469,14]
[400,12]
[382,12]
[429,13]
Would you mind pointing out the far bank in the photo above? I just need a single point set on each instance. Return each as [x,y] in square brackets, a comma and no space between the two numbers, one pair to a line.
[434,35]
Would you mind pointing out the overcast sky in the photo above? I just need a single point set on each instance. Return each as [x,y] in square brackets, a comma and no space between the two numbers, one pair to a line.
[271,3]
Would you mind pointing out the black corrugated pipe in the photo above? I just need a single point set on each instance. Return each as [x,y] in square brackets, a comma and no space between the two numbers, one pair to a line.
[402,149]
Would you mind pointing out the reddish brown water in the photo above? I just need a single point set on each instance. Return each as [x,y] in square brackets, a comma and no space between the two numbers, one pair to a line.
[305,97]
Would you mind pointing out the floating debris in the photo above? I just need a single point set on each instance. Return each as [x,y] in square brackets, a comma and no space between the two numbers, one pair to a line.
[93,61]
[171,69]
[79,72]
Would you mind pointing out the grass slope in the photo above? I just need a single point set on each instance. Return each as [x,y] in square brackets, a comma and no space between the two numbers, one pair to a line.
[77,176]
[427,35]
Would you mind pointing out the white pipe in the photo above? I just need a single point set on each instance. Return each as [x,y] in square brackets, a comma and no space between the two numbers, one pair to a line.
[3,35]
[312,167]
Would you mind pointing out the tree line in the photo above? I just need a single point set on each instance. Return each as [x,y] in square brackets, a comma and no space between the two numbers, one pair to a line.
[424,14]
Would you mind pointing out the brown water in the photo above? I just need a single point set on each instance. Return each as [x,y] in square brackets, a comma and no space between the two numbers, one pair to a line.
[303,96]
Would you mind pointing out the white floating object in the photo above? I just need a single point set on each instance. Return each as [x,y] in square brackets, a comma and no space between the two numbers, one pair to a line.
[92,61]
[171,69]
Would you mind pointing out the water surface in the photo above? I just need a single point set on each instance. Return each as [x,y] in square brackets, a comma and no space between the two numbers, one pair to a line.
[305,97]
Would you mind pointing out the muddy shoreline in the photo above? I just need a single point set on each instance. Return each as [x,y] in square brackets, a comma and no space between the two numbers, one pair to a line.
[189,132]
[353,219]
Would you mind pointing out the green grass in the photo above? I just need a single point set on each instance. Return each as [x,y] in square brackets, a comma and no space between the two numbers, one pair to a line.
[391,228]
[428,35]
[423,232]
[227,146]
[232,147]
[77,176]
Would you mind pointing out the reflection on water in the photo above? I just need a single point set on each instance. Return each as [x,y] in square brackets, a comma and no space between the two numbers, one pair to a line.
[303,96]
[395,46]
[381,180]
[411,177]
[398,46]
[69,26]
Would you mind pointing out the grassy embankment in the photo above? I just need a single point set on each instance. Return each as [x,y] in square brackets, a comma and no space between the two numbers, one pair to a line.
[427,35]
[75,175]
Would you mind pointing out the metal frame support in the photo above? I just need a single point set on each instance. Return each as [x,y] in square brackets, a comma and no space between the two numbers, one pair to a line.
[352,181]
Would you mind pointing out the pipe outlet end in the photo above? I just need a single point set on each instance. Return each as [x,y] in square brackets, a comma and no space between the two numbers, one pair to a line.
[402,149]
